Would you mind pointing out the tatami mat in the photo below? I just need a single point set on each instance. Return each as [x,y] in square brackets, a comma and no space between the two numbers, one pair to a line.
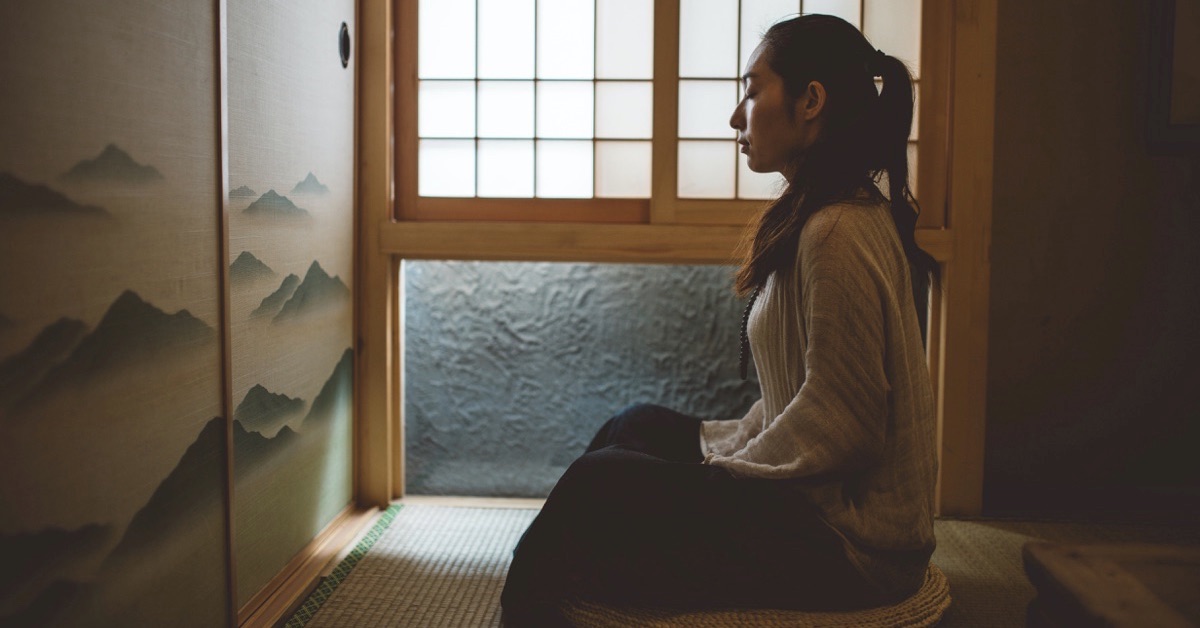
[434,566]
[444,566]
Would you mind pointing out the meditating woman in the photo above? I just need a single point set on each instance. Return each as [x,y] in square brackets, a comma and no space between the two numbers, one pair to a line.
[821,496]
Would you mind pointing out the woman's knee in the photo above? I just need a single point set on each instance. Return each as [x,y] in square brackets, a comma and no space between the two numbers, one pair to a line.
[596,474]
[640,414]
[585,470]
[626,426]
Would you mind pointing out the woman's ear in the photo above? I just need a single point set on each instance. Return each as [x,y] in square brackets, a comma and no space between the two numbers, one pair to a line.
[811,103]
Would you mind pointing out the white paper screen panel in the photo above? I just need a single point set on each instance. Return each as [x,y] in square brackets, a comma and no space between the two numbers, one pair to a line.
[716,38]
[505,109]
[446,45]
[506,39]
[706,169]
[447,168]
[756,17]
[566,31]
[505,168]
[622,169]
[624,110]
[849,10]
[564,169]
[708,37]
[625,39]
[547,73]
[446,109]
[564,109]
[894,26]
[705,107]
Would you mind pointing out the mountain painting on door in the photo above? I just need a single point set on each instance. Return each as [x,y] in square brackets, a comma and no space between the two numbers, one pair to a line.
[291,176]
[112,443]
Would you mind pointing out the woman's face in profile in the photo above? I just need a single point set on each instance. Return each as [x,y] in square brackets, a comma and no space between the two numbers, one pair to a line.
[770,133]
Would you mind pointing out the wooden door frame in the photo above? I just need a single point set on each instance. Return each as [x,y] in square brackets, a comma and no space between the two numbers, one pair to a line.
[965,33]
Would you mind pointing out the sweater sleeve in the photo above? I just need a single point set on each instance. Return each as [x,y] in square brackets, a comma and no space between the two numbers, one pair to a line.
[723,437]
[837,421]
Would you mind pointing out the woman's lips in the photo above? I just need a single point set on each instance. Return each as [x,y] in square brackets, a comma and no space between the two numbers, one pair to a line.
[744,147]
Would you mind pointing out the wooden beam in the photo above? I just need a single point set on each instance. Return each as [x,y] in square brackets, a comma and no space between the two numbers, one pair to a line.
[666,244]
[717,212]
[589,210]
[568,242]
[376,397]
[964,340]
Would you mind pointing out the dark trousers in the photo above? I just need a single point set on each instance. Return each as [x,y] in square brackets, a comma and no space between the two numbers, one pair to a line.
[638,520]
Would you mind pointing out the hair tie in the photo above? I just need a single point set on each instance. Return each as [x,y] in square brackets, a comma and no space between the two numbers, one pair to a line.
[875,65]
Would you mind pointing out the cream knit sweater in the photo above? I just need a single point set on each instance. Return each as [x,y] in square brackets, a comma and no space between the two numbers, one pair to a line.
[847,409]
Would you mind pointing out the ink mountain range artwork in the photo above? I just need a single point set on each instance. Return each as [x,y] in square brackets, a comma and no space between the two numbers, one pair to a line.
[32,560]
[242,192]
[260,406]
[18,197]
[262,410]
[296,299]
[337,390]
[272,205]
[178,519]
[62,356]
[247,268]
[188,500]
[251,448]
[271,303]
[112,165]
[20,372]
[191,483]
[193,487]
[310,185]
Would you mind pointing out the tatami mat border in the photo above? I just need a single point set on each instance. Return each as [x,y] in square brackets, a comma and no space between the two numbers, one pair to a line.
[331,582]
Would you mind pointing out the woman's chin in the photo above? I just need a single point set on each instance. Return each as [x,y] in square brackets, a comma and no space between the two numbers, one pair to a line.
[755,167]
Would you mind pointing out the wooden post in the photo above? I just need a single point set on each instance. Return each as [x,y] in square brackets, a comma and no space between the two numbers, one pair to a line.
[964,341]
[376,397]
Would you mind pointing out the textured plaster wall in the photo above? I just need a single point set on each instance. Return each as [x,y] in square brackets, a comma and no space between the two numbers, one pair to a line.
[510,368]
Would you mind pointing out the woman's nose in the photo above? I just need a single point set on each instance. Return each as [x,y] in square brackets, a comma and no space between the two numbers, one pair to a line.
[736,119]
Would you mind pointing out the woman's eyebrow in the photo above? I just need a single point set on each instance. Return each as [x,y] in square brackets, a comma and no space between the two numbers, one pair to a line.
[749,75]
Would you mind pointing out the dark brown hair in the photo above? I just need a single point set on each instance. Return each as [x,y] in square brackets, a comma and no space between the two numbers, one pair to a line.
[864,136]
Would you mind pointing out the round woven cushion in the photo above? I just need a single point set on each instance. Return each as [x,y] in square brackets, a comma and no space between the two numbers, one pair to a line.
[924,608]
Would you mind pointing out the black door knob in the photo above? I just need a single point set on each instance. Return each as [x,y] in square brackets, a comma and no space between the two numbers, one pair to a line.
[344,44]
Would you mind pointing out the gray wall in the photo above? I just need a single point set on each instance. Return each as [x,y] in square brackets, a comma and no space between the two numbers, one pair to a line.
[1095,267]
[510,368]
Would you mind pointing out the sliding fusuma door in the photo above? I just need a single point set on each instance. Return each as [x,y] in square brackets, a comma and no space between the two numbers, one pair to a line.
[112,433]
[291,181]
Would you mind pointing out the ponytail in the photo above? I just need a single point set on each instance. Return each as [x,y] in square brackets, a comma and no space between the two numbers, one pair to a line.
[895,115]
